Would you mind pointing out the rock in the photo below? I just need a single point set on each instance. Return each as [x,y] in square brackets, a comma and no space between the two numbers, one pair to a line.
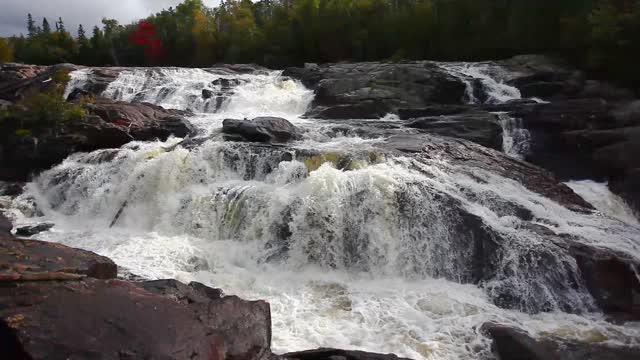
[335,354]
[25,260]
[479,127]
[260,129]
[510,343]
[207,94]
[144,121]
[363,110]
[18,79]
[5,225]
[366,90]
[57,320]
[611,280]
[462,152]
[109,124]
[11,188]
[586,138]
[433,110]
[33,229]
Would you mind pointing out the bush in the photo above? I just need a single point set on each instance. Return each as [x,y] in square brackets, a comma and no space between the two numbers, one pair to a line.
[6,53]
[43,112]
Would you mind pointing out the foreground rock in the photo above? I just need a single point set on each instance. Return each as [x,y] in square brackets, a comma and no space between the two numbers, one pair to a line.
[260,129]
[370,90]
[510,343]
[108,124]
[33,229]
[335,354]
[62,303]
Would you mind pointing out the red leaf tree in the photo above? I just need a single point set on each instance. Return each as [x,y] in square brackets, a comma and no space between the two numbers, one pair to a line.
[145,36]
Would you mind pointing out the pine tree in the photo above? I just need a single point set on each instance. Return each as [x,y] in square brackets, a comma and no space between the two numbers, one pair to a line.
[82,36]
[31,26]
[60,25]
[46,28]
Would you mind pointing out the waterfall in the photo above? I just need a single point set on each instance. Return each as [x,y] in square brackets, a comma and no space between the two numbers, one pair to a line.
[515,138]
[352,245]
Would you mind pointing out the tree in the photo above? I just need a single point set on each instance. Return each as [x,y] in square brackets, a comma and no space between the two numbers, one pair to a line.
[46,28]
[60,25]
[31,26]
[6,53]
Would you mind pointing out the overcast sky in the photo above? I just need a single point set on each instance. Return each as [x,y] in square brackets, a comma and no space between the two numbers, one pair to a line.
[13,13]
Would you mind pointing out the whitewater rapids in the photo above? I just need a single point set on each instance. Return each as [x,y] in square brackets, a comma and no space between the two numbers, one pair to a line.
[209,214]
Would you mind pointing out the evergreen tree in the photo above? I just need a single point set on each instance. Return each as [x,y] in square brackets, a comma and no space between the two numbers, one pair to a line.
[31,26]
[46,28]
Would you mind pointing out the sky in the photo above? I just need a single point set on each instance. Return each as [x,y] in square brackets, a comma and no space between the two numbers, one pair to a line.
[13,13]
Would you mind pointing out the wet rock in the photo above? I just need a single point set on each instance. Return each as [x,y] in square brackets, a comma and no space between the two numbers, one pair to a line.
[260,129]
[611,279]
[510,343]
[33,229]
[108,124]
[363,110]
[207,94]
[462,152]
[433,110]
[27,260]
[335,354]
[387,86]
[479,127]
[143,121]
[5,225]
[11,188]
[17,79]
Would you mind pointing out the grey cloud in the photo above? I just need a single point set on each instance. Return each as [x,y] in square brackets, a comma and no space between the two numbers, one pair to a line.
[13,13]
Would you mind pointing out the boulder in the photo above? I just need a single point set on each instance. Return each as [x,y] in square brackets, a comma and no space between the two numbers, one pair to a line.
[143,121]
[335,354]
[118,319]
[30,260]
[5,225]
[11,188]
[18,79]
[364,110]
[260,129]
[510,343]
[31,230]
[480,127]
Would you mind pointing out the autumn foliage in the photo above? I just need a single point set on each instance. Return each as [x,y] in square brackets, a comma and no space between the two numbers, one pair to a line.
[145,35]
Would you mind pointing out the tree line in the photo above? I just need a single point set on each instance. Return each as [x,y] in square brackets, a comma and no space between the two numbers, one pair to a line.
[599,35]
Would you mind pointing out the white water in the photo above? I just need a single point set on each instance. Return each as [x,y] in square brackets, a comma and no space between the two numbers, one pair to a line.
[599,195]
[372,259]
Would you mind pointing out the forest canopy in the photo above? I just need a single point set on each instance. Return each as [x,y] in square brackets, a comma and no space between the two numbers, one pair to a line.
[599,35]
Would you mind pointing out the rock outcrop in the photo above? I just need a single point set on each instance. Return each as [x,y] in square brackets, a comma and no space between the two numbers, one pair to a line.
[108,124]
[370,90]
[260,129]
[510,343]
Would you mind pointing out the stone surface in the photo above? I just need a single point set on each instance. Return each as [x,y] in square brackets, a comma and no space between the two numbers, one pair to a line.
[335,354]
[510,343]
[34,260]
[260,129]
[366,90]
[31,230]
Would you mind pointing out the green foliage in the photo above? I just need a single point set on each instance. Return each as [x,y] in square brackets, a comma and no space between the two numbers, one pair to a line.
[6,52]
[43,112]
[598,34]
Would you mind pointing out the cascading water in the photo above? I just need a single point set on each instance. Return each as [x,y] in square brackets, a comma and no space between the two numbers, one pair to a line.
[377,256]
[485,84]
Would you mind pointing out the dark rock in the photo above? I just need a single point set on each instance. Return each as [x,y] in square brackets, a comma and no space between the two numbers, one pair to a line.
[611,280]
[510,343]
[5,225]
[207,94]
[143,121]
[364,110]
[77,94]
[261,129]
[434,110]
[25,260]
[387,86]
[11,188]
[33,229]
[479,127]
[335,354]
[184,294]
